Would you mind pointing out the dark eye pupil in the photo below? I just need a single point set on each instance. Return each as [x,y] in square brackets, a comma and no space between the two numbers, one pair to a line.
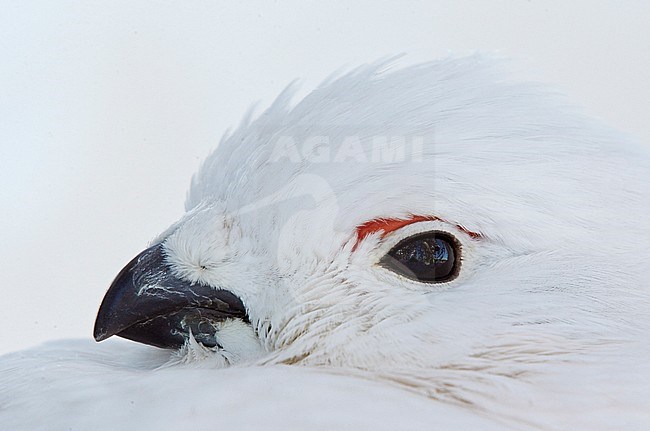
[429,257]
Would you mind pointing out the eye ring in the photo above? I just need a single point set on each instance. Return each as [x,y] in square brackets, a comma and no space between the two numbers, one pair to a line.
[431,257]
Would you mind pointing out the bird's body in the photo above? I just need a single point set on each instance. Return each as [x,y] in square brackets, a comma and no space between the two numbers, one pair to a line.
[542,324]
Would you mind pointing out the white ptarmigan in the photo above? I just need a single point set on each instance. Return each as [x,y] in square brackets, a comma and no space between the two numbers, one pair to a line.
[431,247]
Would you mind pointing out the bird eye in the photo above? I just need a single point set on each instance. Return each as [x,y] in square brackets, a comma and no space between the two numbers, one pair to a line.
[431,257]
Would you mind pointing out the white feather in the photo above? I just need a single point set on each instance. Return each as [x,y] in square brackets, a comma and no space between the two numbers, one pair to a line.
[546,326]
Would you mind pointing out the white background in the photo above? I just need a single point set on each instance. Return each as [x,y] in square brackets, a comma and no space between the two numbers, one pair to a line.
[107,108]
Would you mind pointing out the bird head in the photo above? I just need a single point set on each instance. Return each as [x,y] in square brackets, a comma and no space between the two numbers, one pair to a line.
[438,217]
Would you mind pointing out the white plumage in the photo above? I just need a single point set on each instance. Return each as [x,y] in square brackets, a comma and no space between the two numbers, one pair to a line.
[545,327]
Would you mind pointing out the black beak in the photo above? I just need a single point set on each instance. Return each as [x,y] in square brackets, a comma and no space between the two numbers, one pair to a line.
[147,303]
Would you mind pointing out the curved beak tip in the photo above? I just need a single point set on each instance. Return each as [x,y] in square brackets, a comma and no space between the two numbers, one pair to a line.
[102,329]
[100,335]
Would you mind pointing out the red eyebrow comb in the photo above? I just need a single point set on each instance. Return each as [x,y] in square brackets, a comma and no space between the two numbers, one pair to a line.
[388,225]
